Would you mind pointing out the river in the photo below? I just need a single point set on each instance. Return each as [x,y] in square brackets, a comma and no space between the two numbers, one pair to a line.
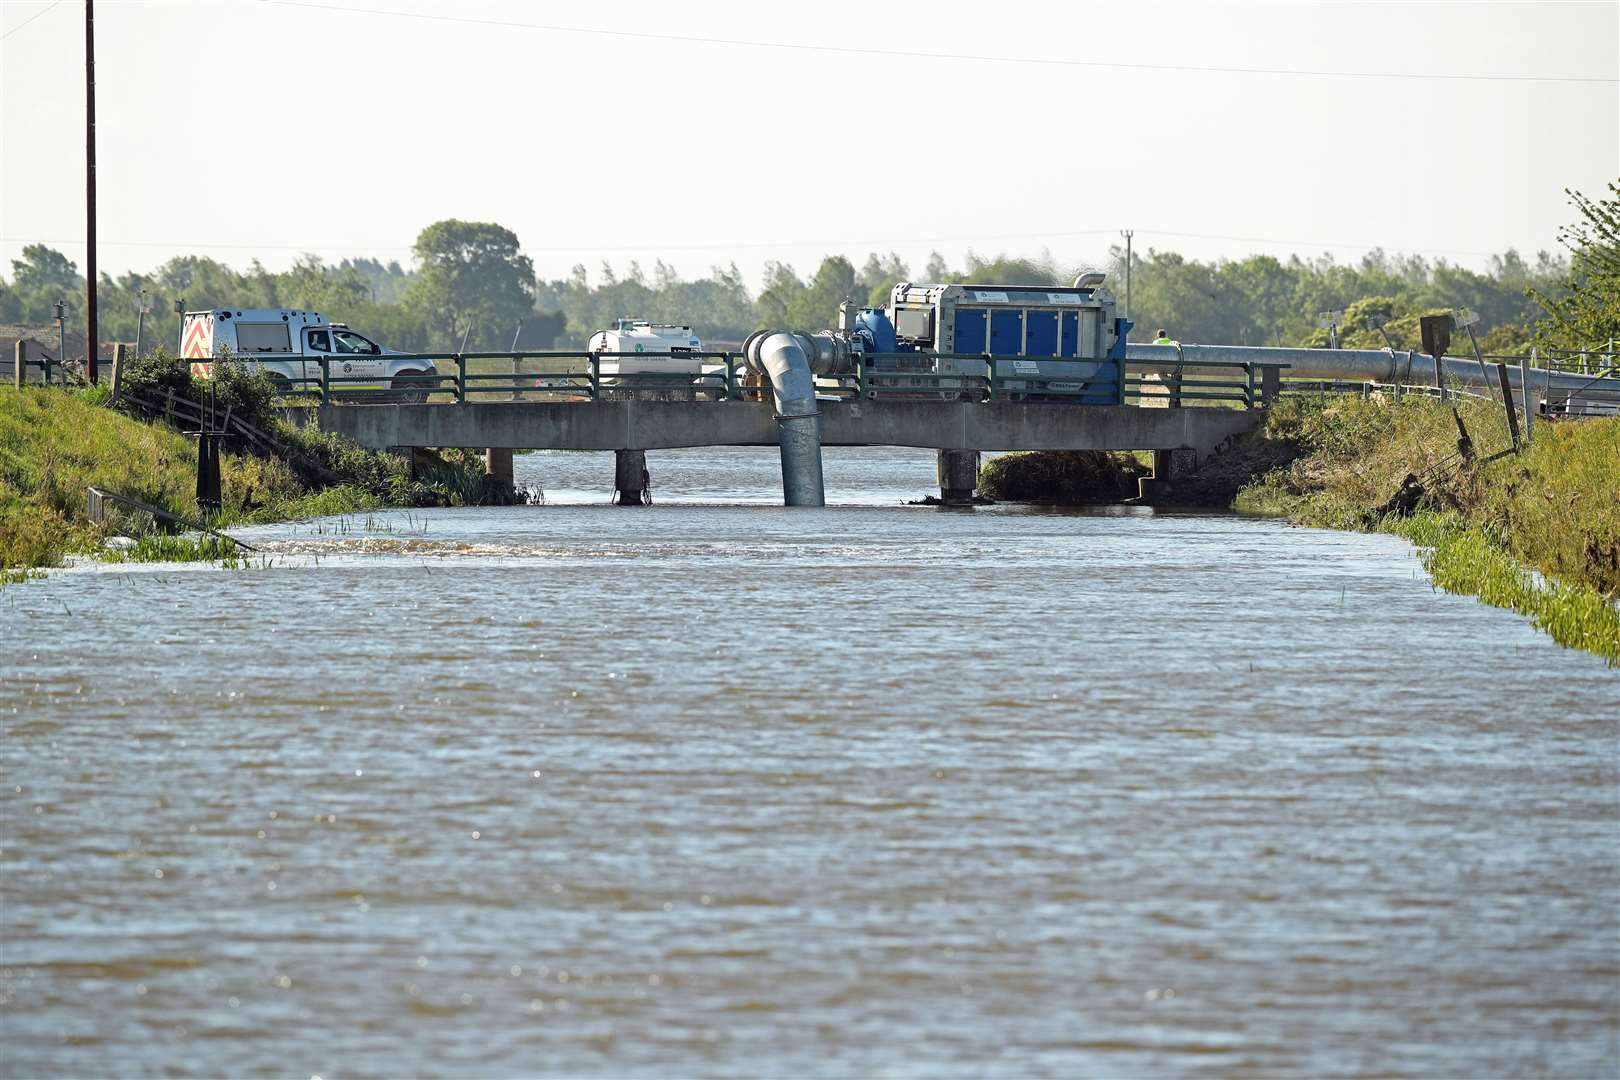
[718,788]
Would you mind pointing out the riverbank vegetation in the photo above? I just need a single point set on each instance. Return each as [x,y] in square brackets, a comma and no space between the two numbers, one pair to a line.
[1488,518]
[56,443]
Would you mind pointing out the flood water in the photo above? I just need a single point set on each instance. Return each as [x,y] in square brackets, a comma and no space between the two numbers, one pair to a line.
[717,788]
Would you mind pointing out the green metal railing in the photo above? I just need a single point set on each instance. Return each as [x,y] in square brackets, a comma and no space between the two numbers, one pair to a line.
[580,376]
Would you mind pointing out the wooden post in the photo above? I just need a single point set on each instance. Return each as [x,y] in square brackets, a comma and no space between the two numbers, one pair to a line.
[92,336]
[498,464]
[1507,404]
[19,374]
[208,488]
[120,358]
[1529,399]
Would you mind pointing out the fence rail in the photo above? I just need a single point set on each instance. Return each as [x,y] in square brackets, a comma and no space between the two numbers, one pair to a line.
[724,376]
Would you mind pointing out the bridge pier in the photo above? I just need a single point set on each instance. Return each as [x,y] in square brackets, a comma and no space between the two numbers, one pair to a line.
[630,478]
[498,464]
[1151,488]
[1167,465]
[957,472]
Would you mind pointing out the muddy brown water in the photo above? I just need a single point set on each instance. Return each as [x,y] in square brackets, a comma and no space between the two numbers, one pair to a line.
[716,788]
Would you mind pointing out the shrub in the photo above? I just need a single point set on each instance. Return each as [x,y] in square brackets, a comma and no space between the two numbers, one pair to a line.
[243,389]
[1072,477]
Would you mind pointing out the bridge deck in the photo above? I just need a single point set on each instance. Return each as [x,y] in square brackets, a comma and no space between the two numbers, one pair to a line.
[659,425]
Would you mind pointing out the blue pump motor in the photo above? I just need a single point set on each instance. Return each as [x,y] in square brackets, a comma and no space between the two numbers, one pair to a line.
[876,332]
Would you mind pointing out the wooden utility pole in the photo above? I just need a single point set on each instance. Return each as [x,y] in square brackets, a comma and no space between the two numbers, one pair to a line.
[92,340]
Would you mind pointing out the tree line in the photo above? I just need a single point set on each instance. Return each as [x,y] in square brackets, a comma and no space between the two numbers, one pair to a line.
[470,282]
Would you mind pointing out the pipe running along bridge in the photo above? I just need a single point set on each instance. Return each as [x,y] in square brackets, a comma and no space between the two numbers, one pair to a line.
[801,391]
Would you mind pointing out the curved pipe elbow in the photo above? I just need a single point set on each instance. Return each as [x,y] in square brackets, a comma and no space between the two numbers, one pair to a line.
[787,360]
[781,357]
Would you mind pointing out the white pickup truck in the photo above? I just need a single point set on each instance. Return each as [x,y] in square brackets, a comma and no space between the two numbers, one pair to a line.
[283,343]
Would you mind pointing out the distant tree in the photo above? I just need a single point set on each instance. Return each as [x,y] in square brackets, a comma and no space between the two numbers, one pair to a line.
[40,278]
[313,286]
[777,299]
[387,282]
[1003,270]
[816,307]
[1585,313]
[541,330]
[470,271]
[879,276]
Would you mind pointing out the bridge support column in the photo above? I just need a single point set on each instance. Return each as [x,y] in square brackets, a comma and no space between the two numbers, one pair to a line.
[498,464]
[958,474]
[1153,488]
[630,478]
[1167,465]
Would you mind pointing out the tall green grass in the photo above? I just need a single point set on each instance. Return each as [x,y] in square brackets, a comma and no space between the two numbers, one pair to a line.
[55,443]
[1468,559]
[1489,526]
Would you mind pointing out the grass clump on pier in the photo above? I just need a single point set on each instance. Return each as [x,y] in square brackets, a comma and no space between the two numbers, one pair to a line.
[1064,477]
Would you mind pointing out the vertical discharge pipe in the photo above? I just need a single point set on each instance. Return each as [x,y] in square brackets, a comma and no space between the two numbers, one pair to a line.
[781,358]
[791,361]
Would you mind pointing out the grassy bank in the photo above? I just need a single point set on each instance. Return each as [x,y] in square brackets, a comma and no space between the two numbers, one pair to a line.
[1485,524]
[55,443]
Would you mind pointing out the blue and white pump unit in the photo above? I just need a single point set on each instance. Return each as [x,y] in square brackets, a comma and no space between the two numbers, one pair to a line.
[1040,332]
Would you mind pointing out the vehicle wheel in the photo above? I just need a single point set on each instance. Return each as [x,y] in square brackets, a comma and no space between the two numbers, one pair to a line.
[282,384]
[410,387]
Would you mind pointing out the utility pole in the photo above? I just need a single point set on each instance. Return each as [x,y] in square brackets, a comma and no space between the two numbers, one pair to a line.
[91,337]
[61,342]
[1127,234]
[142,306]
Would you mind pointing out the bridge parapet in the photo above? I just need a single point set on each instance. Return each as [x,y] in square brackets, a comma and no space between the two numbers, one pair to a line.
[661,425]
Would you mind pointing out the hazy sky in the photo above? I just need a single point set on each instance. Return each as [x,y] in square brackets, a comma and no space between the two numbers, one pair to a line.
[242,128]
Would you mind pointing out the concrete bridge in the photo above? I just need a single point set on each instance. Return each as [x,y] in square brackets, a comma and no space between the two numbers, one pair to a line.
[958,429]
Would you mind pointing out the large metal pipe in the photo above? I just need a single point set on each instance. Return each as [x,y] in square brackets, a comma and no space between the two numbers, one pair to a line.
[791,361]
[1354,365]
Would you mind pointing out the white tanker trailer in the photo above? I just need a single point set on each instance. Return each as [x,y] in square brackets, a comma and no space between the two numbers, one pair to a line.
[647,348]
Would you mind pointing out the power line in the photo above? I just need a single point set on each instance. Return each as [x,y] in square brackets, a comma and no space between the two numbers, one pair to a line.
[1321,244]
[854,50]
[46,10]
[739,245]
[825,244]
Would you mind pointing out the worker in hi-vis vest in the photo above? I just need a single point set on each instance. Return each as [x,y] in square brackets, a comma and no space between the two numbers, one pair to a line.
[1163,338]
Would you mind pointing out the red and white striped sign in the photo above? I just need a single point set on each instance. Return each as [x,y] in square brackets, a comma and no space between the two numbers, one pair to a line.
[198,344]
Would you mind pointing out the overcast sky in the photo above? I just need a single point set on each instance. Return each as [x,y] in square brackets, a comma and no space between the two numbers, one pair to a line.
[243,128]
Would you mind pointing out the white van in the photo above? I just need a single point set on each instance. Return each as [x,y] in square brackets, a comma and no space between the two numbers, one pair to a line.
[282,342]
